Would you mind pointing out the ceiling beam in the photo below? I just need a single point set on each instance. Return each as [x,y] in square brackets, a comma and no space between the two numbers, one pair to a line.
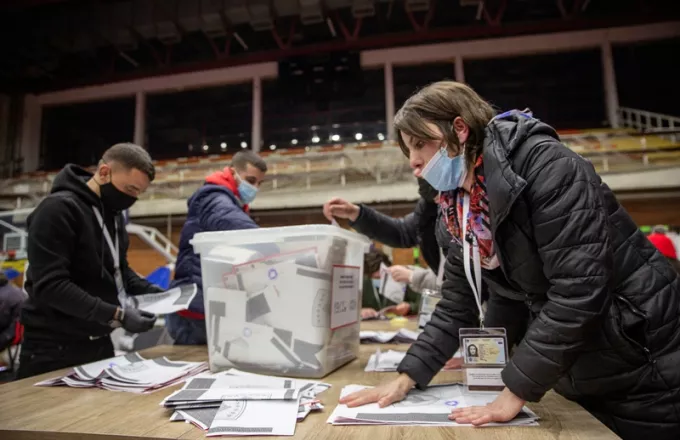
[547,36]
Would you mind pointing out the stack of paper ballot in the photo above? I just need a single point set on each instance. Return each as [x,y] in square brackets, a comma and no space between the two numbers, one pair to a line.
[389,360]
[430,407]
[131,373]
[401,336]
[234,402]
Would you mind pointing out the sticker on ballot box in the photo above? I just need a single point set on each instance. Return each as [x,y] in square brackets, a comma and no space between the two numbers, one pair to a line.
[345,296]
[485,354]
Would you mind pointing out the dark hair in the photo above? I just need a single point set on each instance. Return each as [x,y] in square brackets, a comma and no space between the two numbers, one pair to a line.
[440,103]
[3,279]
[373,259]
[131,156]
[241,160]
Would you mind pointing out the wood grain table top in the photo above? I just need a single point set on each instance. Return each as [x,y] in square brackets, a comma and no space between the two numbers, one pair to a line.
[57,413]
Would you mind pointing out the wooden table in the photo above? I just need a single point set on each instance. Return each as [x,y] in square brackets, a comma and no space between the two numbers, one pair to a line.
[28,412]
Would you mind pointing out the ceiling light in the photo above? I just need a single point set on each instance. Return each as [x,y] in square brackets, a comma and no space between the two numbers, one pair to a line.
[205,147]
[272,147]
[381,136]
[316,139]
[244,144]
[294,142]
[223,145]
[358,136]
[335,137]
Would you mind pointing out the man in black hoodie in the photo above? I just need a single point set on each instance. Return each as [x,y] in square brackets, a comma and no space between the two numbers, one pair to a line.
[78,277]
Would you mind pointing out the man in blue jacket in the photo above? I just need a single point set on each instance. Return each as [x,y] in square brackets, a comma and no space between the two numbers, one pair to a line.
[221,204]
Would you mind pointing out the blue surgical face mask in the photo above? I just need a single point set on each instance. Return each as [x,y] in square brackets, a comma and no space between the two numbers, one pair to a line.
[376,283]
[444,173]
[247,191]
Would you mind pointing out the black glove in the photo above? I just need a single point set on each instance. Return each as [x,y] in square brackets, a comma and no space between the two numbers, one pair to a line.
[137,321]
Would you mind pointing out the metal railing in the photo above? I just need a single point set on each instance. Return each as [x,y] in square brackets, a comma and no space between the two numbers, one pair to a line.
[646,142]
[649,122]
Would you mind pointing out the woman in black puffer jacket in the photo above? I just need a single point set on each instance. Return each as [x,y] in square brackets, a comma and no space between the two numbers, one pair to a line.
[605,303]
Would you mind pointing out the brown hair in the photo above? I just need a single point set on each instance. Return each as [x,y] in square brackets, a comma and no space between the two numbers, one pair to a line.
[440,103]
[372,261]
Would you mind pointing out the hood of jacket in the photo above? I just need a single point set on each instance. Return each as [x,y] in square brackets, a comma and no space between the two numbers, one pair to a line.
[74,179]
[503,137]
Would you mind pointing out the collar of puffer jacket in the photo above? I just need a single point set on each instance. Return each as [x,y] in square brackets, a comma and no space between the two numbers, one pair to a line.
[502,139]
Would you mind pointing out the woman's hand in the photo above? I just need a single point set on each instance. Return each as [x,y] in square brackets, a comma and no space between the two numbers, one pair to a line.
[503,409]
[337,207]
[454,363]
[385,394]
[368,313]
[401,274]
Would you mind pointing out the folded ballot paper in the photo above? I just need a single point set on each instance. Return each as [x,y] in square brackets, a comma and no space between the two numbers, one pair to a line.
[131,373]
[401,336]
[164,303]
[386,361]
[233,402]
[429,407]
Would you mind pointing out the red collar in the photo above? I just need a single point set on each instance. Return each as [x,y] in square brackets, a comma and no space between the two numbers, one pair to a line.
[226,179]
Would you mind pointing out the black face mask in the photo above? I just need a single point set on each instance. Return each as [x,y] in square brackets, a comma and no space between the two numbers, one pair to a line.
[426,191]
[115,199]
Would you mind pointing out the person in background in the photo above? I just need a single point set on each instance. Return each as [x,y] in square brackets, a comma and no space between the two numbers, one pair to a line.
[78,277]
[11,300]
[372,302]
[221,204]
[544,231]
[417,278]
[664,244]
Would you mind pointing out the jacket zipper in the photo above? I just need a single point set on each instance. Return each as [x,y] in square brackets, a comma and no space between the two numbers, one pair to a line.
[642,315]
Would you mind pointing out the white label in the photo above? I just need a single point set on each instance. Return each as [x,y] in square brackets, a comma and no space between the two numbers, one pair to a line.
[345,301]
[488,377]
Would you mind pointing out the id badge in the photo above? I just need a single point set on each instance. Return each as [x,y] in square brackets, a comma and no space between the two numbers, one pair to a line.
[485,354]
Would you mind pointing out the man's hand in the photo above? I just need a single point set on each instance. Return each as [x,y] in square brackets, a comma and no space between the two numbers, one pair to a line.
[401,274]
[368,313]
[503,409]
[385,394]
[337,207]
[137,321]
[401,309]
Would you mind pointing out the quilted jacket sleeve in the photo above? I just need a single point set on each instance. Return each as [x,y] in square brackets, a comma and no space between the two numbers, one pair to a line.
[219,212]
[439,340]
[394,232]
[569,223]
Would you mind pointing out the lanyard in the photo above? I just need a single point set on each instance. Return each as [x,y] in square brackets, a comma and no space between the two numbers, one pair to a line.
[115,250]
[440,273]
[476,282]
[115,253]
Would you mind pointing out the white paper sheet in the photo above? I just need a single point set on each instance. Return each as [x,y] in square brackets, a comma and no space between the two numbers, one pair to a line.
[95,370]
[385,361]
[224,380]
[167,302]
[217,394]
[429,407]
[389,288]
[308,388]
[345,297]
[241,418]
